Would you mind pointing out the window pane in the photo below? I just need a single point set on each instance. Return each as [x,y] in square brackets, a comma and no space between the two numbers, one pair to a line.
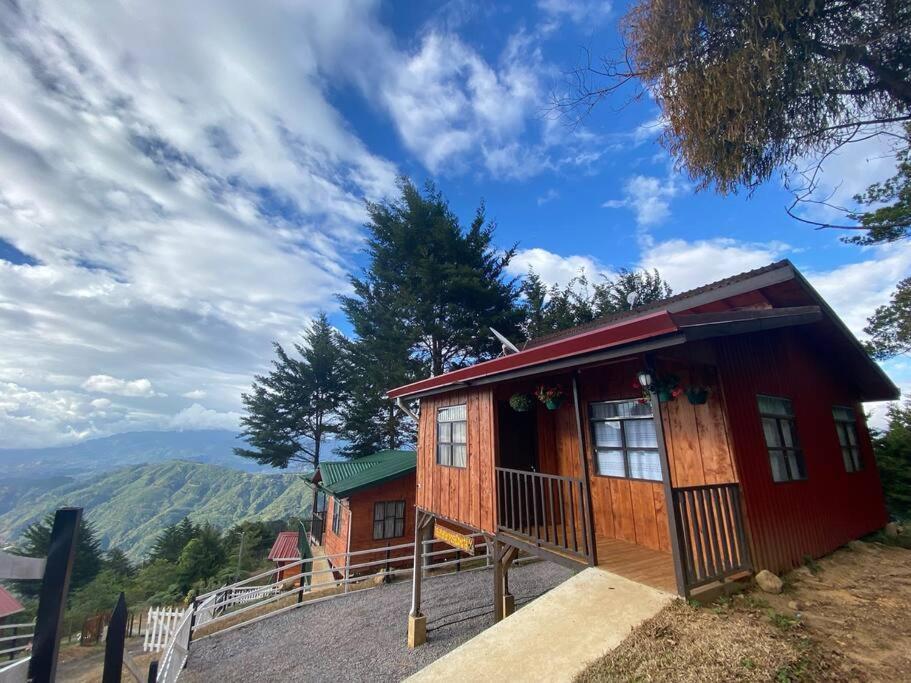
[400,508]
[377,529]
[444,455]
[842,435]
[459,455]
[848,458]
[796,462]
[451,413]
[390,528]
[615,409]
[770,429]
[852,434]
[444,432]
[779,473]
[399,527]
[610,463]
[608,434]
[770,405]
[645,465]
[640,434]
[843,413]
[390,508]
[377,511]
[786,431]
[855,453]
[459,432]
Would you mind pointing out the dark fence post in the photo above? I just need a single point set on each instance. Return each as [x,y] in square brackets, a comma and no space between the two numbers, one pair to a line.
[52,598]
[114,643]
[153,671]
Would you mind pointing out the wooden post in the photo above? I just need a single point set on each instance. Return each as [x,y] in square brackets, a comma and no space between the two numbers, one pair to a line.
[673,524]
[417,622]
[497,582]
[114,643]
[52,598]
[588,519]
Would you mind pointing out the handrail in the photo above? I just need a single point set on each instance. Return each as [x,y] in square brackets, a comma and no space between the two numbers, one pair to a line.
[544,475]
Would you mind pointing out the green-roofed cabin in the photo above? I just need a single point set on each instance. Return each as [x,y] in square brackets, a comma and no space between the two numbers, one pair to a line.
[364,504]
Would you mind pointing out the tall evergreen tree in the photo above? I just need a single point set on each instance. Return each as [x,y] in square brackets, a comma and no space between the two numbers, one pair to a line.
[893,456]
[171,541]
[293,409]
[423,305]
[36,541]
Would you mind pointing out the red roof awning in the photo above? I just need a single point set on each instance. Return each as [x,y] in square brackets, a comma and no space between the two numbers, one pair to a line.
[285,547]
[8,604]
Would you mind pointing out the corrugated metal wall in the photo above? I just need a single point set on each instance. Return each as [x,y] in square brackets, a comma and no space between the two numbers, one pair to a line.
[790,520]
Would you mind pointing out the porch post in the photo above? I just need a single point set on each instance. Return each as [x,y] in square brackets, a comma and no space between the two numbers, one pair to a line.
[673,528]
[497,581]
[588,519]
[417,622]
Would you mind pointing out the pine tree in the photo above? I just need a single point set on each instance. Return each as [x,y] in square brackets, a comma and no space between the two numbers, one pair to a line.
[423,306]
[171,541]
[293,409]
[116,562]
[36,541]
[893,456]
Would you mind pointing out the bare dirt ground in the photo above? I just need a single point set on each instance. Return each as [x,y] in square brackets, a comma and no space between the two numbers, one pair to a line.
[78,664]
[844,617]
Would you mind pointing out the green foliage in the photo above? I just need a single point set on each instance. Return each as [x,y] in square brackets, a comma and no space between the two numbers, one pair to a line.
[422,306]
[171,541]
[130,507]
[117,563]
[893,457]
[202,559]
[293,408]
[547,310]
[35,542]
[890,325]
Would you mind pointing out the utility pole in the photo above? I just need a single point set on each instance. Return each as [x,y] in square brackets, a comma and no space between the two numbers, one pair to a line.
[240,552]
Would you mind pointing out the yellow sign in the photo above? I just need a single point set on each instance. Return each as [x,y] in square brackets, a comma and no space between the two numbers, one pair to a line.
[453,538]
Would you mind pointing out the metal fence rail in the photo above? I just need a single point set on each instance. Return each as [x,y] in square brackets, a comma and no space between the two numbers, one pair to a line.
[711,532]
[16,639]
[546,510]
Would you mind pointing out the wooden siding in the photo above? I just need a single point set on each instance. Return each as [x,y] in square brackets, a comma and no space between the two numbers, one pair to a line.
[463,494]
[788,521]
[359,507]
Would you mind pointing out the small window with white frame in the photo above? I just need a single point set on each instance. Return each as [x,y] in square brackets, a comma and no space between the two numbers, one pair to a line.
[846,427]
[336,517]
[625,440]
[452,436]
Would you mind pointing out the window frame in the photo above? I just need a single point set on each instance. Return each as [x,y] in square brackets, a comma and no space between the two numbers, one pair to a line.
[796,448]
[336,517]
[450,443]
[624,448]
[856,457]
[396,519]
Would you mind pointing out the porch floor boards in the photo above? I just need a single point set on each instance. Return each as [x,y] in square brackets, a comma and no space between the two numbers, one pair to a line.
[637,563]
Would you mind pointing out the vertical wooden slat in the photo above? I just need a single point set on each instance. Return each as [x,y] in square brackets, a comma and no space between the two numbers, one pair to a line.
[707,497]
[706,534]
[562,513]
[572,521]
[553,520]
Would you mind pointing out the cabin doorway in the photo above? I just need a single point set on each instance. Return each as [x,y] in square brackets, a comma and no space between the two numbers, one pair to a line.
[517,435]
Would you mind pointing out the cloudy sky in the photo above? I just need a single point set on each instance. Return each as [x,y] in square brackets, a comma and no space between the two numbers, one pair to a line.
[183,182]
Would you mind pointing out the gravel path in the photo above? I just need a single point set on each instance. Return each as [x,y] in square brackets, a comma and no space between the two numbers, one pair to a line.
[362,637]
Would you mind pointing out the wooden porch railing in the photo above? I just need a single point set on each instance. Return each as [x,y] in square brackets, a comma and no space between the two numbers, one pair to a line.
[710,532]
[546,510]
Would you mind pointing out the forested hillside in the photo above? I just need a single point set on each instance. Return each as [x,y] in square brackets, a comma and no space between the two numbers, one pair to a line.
[130,506]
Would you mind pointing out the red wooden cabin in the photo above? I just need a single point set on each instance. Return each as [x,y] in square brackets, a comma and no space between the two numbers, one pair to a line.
[769,460]
[364,504]
[286,551]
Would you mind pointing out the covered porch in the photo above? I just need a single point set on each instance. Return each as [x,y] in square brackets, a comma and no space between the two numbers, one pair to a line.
[588,482]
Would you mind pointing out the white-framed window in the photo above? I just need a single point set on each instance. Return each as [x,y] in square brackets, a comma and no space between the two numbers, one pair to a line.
[388,519]
[452,436]
[336,517]
[785,453]
[625,440]
[846,427]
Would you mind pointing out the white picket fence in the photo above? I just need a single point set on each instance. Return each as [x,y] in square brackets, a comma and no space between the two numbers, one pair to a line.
[176,649]
[162,624]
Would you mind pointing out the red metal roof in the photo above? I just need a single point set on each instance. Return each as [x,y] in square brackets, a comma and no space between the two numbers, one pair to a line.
[644,326]
[8,604]
[285,547]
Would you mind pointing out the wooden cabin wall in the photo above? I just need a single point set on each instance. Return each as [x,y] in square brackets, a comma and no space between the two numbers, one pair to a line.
[467,494]
[790,520]
[334,544]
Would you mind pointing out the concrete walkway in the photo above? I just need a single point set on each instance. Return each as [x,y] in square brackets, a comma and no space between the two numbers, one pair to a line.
[556,635]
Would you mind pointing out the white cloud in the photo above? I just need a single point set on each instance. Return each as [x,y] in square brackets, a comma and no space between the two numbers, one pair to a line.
[548,196]
[105,384]
[196,394]
[688,264]
[198,417]
[648,197]
[585,12]
[554,268]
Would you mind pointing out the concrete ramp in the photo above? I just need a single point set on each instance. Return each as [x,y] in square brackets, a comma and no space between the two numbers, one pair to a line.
[553,637]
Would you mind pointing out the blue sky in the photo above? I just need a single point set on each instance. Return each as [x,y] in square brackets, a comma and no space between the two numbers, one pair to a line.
[182,183]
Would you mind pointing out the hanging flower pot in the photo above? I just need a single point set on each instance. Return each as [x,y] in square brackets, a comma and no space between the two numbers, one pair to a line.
[551,397]
[520,402]
[697,395]
[667,388]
